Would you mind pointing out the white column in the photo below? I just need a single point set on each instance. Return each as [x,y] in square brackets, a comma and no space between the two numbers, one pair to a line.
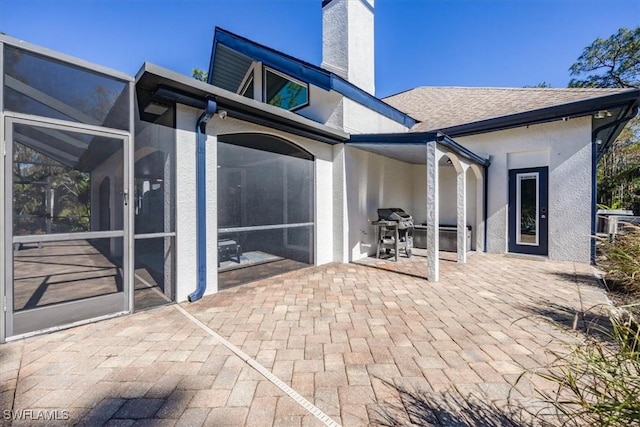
[433,212]
[480,212]
[461,205]
[340,207]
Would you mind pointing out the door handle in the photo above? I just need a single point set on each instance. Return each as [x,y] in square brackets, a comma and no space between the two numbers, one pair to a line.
[125,197]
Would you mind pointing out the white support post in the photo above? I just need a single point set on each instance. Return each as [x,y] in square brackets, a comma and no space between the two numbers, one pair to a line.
[480,213]
[340,220]
[433,212]
[461,194]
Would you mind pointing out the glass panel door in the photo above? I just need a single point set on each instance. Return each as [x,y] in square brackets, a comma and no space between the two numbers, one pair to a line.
[528,222]
[66,209]
[527,209]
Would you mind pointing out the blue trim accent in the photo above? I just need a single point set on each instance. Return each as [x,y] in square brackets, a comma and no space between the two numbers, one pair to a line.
[305,72]
[358,95]
[464,152]
[201,194]
[417,138]
[548,114]
[485,206]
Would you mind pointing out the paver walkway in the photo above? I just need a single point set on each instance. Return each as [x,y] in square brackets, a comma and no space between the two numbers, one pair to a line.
[364,345]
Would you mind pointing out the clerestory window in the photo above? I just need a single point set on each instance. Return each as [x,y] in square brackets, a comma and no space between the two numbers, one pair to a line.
[283,91]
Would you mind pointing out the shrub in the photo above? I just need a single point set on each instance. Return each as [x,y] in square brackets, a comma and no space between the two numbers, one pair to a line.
[621,261]
[599,380]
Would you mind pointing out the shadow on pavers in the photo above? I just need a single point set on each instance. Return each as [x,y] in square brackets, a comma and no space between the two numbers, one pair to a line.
[108,410]
[592,323]
[580,278]
[450,408]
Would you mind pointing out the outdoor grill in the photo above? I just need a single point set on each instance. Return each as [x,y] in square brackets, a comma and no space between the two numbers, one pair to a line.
[404,220]
[394,231]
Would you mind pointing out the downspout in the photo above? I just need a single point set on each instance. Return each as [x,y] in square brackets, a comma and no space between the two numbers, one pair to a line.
[485,206]
[201,207]
[631,113]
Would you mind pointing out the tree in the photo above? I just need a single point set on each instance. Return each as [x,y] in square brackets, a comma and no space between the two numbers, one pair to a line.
[539,85]
[198,74]
[619,171]
[614,62]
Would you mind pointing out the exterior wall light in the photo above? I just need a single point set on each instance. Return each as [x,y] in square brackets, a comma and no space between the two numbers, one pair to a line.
[602,114]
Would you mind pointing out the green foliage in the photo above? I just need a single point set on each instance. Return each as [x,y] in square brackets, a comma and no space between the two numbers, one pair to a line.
[540,85]
[615,205]
[599,380]
[619,170]
[613,62]
[621,261]
[48,196]
[198,74]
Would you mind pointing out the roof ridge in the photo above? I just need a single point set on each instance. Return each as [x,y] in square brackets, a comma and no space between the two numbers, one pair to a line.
[576,89]
[513,89]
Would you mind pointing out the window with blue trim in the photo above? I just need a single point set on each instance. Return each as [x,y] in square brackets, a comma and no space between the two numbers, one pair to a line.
[283,91]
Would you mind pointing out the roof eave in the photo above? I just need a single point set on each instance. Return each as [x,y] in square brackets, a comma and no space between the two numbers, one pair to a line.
[307,72]
[418,138]
[194,93]
[543,115]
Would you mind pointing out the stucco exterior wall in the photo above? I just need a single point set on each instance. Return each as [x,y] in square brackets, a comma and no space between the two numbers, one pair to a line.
[419,193]
[563,146]
[448,196]
[359,119]
[373,182]
[186,227]
[323,107]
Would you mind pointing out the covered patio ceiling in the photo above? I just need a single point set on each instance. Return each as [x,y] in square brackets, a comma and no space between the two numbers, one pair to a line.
[410,147]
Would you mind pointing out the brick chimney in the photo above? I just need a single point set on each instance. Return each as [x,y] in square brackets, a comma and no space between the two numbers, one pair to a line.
[347,41]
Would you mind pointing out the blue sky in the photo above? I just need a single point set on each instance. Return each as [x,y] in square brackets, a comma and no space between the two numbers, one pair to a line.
[418,42]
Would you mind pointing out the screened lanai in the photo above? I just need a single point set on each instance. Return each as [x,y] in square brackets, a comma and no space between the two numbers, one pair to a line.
[87,214]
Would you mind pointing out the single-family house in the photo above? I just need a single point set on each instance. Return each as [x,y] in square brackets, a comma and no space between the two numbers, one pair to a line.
[122,192]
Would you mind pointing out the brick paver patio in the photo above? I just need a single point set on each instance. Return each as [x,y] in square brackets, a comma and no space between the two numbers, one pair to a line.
[364,345]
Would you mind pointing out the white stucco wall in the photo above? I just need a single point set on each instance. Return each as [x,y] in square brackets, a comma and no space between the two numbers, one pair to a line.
[419,193]
[322,107]
[373,182]
[563,146]
[472,208]
[448,196]
[360,119]
[186,227]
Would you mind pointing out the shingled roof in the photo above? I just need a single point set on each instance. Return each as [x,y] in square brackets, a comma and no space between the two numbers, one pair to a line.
[440,108]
